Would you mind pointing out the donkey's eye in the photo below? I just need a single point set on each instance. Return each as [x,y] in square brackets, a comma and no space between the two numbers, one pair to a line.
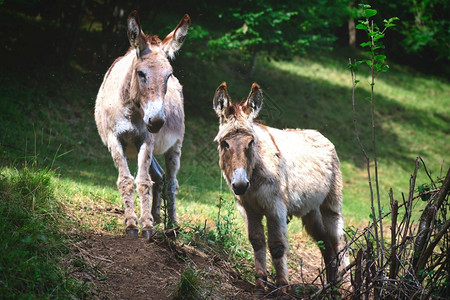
[224,145]
[252,142]
[141,74]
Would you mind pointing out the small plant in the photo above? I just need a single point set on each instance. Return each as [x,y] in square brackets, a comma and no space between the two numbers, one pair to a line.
[225,223]
[190,286]
[376,63]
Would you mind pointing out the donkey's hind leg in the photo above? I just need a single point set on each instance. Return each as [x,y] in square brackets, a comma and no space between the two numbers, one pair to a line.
[315,227]
[172,157]
[334,225]
[156,173]
[125,184]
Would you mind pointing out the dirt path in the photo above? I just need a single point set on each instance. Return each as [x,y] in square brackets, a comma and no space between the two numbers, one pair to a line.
[137,269]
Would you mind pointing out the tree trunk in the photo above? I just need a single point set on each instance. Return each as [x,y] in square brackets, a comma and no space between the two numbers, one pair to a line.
[253,66]
[351,26]
[351,33]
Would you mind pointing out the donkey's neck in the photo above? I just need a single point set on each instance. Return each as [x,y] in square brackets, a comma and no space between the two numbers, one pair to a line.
[267,157]
[129,99]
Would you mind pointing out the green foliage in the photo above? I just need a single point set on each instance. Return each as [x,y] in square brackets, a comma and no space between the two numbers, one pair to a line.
[421,37]
[225,222]
[280,28]
[375,44]
[30,241]
[190,286]
[429,27]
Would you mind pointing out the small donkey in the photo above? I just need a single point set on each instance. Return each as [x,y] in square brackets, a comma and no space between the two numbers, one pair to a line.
[140,107]
[277,174]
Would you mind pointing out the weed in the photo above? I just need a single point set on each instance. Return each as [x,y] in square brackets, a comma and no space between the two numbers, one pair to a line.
[190,286]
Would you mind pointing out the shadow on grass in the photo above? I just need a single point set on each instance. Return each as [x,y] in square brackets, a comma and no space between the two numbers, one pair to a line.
[57,109]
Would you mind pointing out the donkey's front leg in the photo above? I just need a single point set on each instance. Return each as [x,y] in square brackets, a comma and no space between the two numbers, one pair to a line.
[172,157]
[125,184]
[144,188]
[257,238]
[278,243]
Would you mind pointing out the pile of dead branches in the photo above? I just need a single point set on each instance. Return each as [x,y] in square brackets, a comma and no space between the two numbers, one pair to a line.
[413,262]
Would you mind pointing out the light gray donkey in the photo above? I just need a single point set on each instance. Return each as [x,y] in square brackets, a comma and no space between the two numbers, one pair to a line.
[139,108]
[277,174]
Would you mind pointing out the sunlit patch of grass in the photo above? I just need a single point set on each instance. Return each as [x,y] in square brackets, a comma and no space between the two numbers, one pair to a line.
[32,239]
[94,208]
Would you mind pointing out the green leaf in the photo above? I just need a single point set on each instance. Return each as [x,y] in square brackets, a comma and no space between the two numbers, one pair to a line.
[361,26]
[380,57]
[365,44]
[370,13]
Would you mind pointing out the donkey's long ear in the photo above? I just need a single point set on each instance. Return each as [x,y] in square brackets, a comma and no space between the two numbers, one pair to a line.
[254,102]
[174,40]
[135,34]
[221,102]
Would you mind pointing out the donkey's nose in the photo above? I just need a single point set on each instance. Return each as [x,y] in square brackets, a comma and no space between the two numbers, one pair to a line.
[240,188]
[155,124]
[239,181]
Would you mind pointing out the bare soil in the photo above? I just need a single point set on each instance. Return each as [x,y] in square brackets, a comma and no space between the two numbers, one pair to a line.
[119,267]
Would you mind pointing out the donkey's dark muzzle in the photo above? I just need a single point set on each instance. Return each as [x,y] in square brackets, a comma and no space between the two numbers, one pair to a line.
[155,125]
[239,181]
[240,188]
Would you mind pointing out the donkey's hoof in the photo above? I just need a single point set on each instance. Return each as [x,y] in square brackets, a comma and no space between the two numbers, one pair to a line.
[156,219]
[132,232]
[172,224]
[148,233]
[259,292]
[283,292]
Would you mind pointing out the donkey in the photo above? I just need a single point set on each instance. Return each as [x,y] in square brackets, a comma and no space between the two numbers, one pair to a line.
[277,174]
[139,110]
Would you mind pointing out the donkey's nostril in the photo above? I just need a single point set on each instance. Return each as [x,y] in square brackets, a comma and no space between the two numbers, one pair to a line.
[239,188]
[155,125]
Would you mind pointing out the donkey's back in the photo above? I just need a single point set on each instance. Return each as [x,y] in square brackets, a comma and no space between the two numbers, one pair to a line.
[308,164]
[111,104]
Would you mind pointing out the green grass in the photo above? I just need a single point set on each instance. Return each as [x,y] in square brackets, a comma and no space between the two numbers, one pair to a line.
[47,115]
[33,262]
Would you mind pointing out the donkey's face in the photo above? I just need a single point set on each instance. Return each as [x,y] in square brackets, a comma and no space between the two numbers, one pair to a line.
[152,70]
[236,138]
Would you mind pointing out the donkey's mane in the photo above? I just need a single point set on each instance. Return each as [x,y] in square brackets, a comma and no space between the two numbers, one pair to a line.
[153,39]
[235,126]
[237,123]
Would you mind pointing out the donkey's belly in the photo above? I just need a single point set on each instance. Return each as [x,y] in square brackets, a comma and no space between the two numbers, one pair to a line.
[164,142]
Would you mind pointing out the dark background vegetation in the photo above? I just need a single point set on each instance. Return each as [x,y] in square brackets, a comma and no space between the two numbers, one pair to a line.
[54,55]
[91,33]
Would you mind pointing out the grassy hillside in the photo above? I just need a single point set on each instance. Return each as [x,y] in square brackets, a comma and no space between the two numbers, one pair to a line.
[48,114]
[47,123]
